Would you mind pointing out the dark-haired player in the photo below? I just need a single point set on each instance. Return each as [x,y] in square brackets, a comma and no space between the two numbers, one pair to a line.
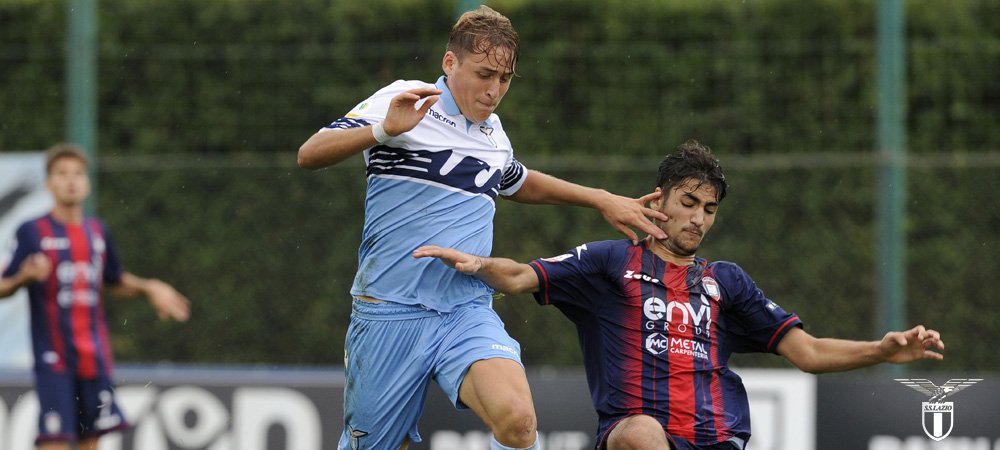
[657,324]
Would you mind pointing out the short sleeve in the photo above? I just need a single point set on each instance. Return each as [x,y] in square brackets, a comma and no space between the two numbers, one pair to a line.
[577,281]
[112,264]
[514,175]
[16,250]
[371,110]
[757,322]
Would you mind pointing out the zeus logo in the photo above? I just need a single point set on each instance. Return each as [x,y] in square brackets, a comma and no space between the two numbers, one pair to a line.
[640,276]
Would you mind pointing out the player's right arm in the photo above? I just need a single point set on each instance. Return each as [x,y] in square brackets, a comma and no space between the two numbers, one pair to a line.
[331,146]
[36,267]
[505,275]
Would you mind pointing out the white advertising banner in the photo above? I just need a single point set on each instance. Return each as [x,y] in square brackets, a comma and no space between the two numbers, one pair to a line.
[22,197]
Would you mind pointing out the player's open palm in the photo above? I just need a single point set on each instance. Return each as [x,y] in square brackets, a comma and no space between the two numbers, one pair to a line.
[911,345]
[460,261]
[169,303]
[403,113]
[623,212]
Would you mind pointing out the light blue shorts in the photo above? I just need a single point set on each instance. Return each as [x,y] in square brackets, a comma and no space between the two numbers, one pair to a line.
[392,353]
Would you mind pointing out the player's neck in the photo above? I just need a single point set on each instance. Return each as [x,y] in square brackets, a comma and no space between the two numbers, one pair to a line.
[660,249]
[67,214]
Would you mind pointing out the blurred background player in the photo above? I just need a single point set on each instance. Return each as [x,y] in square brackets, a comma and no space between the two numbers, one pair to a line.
[66,259]
[437,157]
[657,324]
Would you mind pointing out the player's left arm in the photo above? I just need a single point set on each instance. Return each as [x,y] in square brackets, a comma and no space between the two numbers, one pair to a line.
[819,355]
[621,212]
[165,299]
[505,275]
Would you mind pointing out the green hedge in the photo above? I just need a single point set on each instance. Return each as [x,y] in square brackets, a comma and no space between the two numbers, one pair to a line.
[267,251]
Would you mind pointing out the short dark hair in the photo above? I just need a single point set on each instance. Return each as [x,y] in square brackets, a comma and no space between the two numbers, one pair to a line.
[64,150]
[691,160]
[481,31]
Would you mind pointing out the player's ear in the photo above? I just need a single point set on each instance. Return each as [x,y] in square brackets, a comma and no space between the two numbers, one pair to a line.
[657,202]
[449,62]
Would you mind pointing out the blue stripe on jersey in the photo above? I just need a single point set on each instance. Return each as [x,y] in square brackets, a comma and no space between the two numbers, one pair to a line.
[344,123]
[512,175]
[446,168]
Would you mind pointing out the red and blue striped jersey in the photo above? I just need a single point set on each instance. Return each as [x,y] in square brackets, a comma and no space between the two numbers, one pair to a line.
[656,337]
[68,327]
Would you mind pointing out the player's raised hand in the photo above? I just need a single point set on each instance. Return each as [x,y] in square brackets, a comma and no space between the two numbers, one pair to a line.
[623,212]
[460,261]
[403,114]
[169,303]
[911,345]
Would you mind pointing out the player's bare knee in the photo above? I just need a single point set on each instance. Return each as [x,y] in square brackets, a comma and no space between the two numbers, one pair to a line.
[638,432]
[518,427]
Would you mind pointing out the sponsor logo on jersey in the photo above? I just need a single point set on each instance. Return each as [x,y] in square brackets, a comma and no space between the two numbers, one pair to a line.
[504,348]
[442,118]
[630,274]
[55,243]
[681,317]
[657,343]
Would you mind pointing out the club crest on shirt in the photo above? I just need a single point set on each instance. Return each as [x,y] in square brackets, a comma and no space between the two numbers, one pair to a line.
[488,131]
[356,436]
[711,287]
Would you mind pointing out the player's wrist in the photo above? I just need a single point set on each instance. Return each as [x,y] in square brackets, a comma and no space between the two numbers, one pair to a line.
[378,131]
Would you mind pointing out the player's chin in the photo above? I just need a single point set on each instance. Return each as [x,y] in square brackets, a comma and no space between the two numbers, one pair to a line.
[688,248]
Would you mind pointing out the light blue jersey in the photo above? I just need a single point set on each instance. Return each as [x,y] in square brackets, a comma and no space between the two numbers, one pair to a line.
[436,184]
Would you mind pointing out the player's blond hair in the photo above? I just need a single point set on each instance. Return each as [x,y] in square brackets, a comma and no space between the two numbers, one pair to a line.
[63,150]
[482,31]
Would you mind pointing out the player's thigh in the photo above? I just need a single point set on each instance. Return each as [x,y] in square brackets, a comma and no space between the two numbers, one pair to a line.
[496,388]
[387,376]
[58,415]
[480,364]
[99,412]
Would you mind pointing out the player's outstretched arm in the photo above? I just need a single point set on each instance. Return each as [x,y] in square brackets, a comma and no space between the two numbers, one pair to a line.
[168,303]
[820,355]
[329,147]
[505,275]
[36,267]
[621,212]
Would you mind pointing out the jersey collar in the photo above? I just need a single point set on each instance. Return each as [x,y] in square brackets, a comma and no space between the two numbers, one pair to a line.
[451,107]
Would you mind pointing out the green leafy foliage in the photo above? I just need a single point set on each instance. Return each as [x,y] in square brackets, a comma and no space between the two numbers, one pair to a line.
[202,106]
